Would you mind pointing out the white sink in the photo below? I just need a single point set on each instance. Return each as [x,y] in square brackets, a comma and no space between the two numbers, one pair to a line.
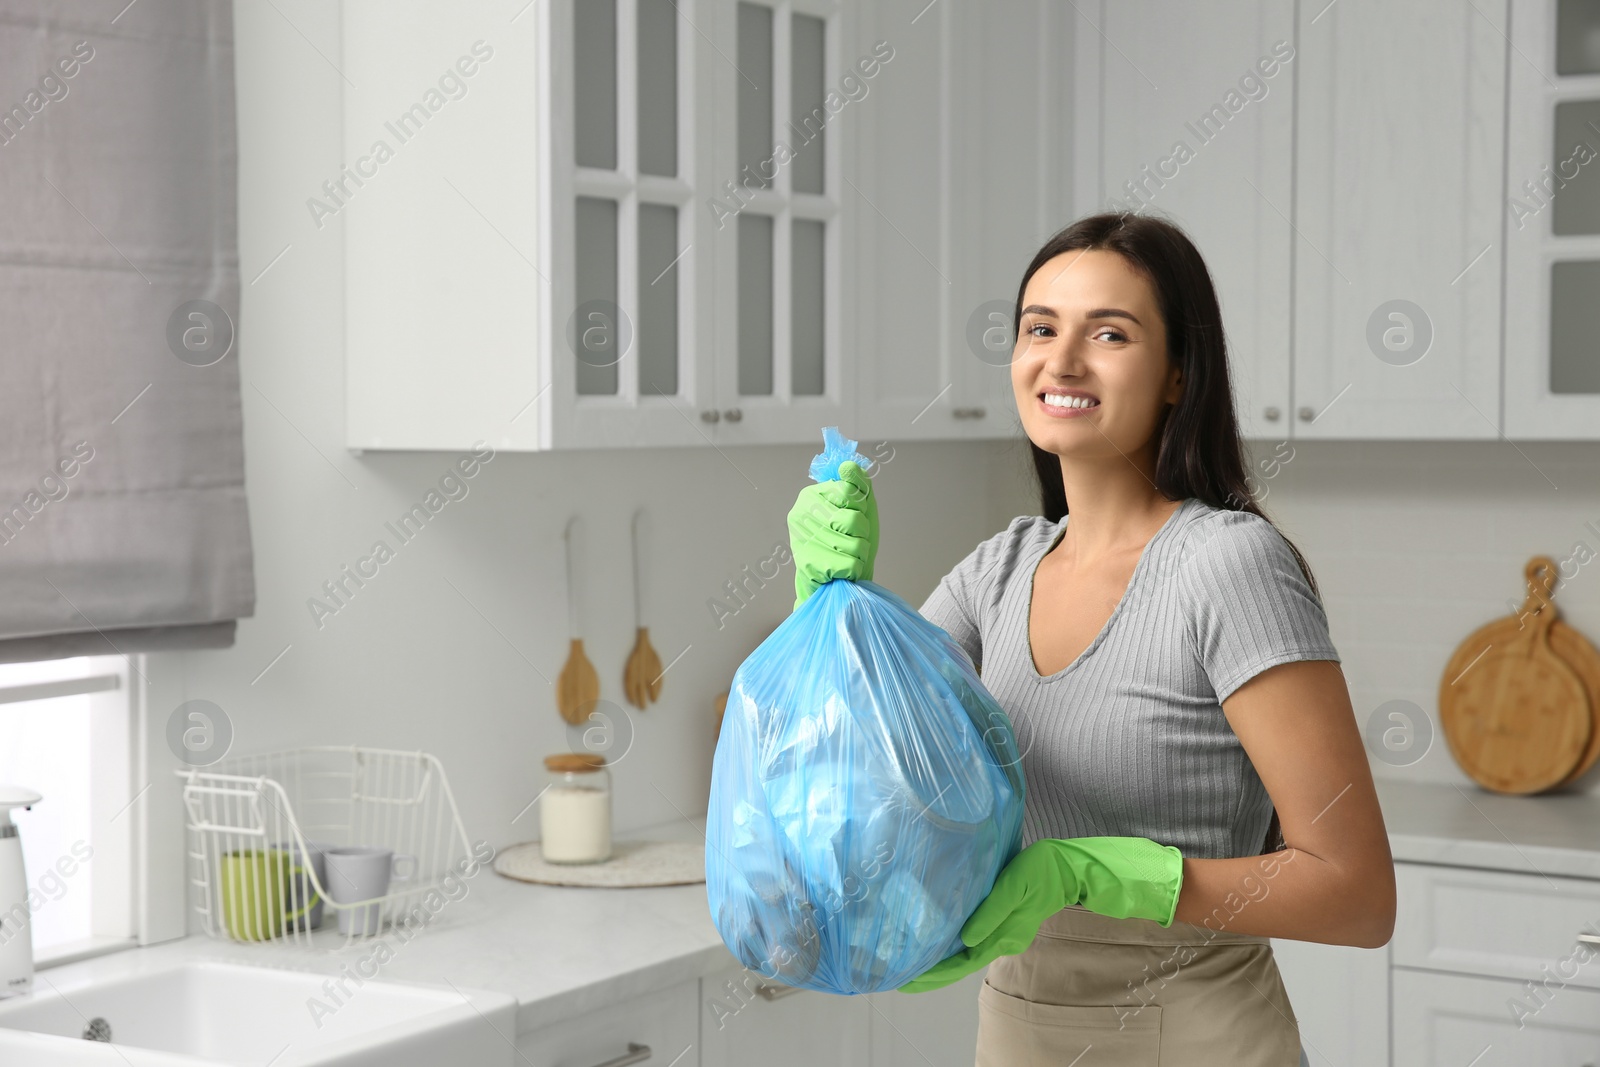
[213,1013]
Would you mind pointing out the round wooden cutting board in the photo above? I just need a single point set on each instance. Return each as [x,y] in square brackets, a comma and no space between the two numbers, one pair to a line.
[1584,660]
[1517,717]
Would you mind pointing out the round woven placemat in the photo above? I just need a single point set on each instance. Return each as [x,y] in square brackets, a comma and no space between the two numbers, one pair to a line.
[632,863]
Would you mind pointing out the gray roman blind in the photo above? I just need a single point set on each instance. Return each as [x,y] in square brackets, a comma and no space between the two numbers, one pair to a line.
[123,525]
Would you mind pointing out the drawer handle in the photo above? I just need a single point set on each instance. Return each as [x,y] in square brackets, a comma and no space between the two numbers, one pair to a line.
[774,992]
[636,1053]
[1589,939]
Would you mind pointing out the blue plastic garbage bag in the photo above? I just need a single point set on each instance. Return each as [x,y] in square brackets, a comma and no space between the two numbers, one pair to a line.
[865,792]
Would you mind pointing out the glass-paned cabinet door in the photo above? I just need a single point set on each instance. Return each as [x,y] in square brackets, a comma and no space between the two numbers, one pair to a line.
[1552,225]
[630,242]
[782,204]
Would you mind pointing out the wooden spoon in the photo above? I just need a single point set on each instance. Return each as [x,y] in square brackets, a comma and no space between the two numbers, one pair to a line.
[578,687]
[641,676]
[1514,712]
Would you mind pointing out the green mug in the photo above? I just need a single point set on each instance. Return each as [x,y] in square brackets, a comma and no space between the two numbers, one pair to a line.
[254,884]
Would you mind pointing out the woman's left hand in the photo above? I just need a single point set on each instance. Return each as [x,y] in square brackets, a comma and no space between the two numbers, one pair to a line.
[1123,877]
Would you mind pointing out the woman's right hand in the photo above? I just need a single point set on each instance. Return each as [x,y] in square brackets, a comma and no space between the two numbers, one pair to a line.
[833,531]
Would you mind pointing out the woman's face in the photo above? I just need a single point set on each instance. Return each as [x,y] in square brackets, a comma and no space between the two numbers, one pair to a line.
[1090,327]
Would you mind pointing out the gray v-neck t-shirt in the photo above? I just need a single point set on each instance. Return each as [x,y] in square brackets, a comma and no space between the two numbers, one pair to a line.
[1130,738]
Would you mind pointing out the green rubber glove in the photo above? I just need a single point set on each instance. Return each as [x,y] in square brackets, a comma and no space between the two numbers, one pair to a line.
[1123,877]
[833,531]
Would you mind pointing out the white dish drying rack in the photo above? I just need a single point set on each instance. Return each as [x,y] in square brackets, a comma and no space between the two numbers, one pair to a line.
[326,796]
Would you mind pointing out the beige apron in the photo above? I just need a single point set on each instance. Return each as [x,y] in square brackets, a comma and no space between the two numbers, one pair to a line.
[1136,995]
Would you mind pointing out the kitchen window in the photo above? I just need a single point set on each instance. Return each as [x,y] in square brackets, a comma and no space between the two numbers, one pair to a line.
[68,729]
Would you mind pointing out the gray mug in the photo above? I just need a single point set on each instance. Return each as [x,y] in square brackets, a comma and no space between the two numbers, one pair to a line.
[357,873]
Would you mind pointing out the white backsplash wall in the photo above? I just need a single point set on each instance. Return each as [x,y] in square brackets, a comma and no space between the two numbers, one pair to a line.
[1416,544]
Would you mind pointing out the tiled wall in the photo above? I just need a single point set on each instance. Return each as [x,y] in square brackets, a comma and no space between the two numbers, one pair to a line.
[1416,544]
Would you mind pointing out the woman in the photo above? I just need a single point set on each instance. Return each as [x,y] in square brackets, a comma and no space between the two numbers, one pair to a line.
[1165,660]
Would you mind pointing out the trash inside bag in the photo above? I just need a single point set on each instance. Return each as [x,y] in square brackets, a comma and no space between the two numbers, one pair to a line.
[865,792]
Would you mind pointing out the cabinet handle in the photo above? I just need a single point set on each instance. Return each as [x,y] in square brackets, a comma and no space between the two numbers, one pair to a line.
[1272,414]
[774,992]
[1589,939]
[733,414]
[710,416]
[967,413]
[636,1053]
[1306,414]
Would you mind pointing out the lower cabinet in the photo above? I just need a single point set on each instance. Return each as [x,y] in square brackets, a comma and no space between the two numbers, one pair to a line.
[748,1022]
[1498,924]
[1451,1020]
[659,1029]
[1495,964]
[734,1019]
[939,1027]
[1340,997]
[745,1022]
[1485,968]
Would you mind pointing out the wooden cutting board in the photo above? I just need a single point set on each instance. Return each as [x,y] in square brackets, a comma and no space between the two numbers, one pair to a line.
[1517,717]
[1584,660]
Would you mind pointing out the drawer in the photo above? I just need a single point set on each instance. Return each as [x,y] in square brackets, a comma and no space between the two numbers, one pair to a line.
[1447,1020]
[1497,924]
[654,1030]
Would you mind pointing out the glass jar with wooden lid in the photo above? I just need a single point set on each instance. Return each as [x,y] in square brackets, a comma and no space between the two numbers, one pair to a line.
[575,810]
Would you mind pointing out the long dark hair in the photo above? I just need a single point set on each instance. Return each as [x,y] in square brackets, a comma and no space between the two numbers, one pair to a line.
[1200,452]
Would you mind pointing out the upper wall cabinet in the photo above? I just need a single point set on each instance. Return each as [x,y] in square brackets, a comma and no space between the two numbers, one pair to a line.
[777,215]
[629,230]
[629,158]
[965,170]
[635,223]
[1552,222]
[437,197]
[1198,114]
[1397,250]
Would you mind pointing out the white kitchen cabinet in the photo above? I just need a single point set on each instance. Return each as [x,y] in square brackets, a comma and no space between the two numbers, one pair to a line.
[965,169]
[1397,256]
[1197,126]
[1340,997]
[1500,964]
[438,204]
[747,221]
[1494,923]
[781,124]
[733,1018]
[567,253]
[938,1028]
[1447,1020]
[744,1021]
[629,157]
[1469,951]
[659,1028]
[1552,223]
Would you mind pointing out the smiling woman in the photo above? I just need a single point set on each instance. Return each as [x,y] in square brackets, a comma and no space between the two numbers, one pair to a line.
[1165,658]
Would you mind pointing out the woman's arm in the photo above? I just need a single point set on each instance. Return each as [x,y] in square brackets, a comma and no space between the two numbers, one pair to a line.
[1335,881]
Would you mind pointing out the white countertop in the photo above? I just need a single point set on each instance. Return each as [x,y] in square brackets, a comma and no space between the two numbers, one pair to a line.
[559,950]
[1465,826]
[562,951]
